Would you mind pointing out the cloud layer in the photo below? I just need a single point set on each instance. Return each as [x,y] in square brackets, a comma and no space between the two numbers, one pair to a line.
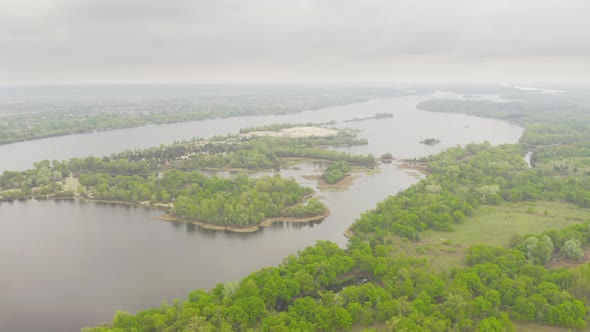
[181,41]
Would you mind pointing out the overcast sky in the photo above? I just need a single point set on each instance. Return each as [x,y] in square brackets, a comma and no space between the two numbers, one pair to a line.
[192,41]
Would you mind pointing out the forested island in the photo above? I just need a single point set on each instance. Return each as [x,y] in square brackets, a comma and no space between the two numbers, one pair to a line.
[376,116]
[167,178]
[524,269]
[430,141]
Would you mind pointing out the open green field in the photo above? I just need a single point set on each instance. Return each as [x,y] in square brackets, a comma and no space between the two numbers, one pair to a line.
[492,225]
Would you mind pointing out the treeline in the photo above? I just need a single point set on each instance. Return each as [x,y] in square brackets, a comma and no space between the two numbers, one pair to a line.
[329,155]
[567,243]
[42,180]
[59,122]
[43,173]
[47,177]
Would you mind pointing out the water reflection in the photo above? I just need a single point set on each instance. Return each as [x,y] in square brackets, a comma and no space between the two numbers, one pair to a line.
[191,228]
[296,225]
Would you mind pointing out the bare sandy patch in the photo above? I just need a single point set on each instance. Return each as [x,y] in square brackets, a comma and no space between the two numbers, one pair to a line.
[411,165]
[297,132]
[71,184]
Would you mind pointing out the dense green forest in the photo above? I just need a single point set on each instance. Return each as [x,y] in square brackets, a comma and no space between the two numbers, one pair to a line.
[370,285]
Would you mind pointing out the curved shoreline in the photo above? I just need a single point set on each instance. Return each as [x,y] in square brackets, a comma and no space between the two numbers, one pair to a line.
[171,218]
[237,229]
[405,164]
[247,229]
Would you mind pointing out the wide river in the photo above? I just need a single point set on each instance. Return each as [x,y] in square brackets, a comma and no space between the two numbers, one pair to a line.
[69,264]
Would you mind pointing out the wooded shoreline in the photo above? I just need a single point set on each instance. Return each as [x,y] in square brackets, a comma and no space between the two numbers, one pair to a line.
[168,216]
[246,229]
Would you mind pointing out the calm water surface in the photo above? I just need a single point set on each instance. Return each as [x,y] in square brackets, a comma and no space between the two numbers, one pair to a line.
[69,264]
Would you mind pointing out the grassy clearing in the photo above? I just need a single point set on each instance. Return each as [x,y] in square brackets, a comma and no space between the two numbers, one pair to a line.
[71,184]
[373,171]
[493,226]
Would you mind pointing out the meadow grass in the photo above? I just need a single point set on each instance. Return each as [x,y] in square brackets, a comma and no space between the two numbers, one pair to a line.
[491,225]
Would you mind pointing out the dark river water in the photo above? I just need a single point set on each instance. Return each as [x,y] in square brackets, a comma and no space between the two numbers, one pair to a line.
[69,264]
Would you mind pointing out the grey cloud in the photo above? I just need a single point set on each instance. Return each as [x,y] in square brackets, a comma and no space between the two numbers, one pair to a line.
[183,40]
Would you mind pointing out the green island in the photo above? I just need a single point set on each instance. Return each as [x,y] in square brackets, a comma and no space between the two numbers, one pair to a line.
[336,172]
[167,178]
[484,243]
[338,176]
[430,141]
[387,156]
[376,116]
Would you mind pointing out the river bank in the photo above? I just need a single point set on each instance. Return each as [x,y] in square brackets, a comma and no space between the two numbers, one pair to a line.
[170,217]
[244,229]
[418,166]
